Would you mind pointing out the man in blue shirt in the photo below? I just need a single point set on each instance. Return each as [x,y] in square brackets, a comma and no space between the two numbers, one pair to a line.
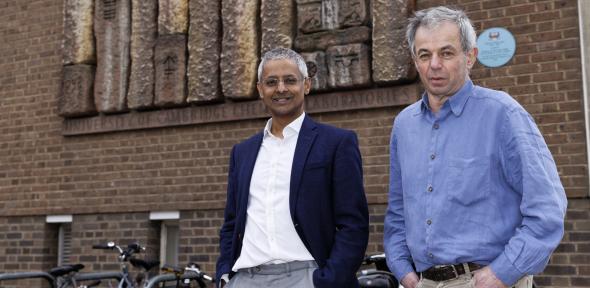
[475,198]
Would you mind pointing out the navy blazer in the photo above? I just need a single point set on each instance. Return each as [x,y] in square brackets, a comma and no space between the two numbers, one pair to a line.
[327,202]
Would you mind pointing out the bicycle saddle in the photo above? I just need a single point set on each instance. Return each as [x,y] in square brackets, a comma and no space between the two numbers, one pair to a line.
[65,269]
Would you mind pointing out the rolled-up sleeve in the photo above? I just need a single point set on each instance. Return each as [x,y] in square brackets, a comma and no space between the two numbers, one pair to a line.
[531,171]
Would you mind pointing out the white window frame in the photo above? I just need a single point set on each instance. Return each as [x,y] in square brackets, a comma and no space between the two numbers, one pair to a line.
[169,229]
[64,236]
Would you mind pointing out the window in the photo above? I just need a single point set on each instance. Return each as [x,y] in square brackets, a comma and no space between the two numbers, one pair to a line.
[169,236]
[63,225]
[169,242]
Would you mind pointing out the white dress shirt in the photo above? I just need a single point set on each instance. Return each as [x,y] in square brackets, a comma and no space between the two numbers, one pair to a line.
[270,236]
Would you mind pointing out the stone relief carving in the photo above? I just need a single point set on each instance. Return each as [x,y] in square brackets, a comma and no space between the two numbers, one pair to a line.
[153,55]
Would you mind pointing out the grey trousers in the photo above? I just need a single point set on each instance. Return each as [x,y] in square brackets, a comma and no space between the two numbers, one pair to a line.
[292,274]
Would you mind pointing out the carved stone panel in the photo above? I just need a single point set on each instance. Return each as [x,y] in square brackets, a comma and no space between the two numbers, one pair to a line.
[204,48]
[173,17]
[170,64]
[112,29]
[317,15]
[76,96]
[330,14]
[349,66]
[239,52]
[277,23]
[353,13]
[325,39]
[392,60]
[78,45]
[309,16]
[316,65]
[144,30]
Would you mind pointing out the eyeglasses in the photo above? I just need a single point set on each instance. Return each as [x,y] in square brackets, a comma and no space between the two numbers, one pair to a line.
[287,81]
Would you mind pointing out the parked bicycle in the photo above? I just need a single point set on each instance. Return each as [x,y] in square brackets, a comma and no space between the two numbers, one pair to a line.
[65,276]
[379,276]
[183,277]
[126,256]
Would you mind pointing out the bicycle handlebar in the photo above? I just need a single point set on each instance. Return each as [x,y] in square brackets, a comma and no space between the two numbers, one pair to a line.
[124,255]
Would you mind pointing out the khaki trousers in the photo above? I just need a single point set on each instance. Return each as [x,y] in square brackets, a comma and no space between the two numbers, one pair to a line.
[466,281]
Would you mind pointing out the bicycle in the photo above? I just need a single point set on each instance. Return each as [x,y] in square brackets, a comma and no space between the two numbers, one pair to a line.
[191,272]
[125,256]
[65,276]
[378,277]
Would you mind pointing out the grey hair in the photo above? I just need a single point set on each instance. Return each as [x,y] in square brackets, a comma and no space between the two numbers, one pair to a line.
[432,17]
[283,53]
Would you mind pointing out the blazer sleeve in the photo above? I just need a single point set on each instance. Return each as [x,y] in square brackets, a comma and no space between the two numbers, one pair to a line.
[351,218]
[225,261]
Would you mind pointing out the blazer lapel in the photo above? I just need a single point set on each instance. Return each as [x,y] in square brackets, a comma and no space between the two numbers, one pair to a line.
[307,135]
[251,153]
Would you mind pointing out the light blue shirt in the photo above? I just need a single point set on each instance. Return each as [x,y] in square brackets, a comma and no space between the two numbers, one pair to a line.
[473,183]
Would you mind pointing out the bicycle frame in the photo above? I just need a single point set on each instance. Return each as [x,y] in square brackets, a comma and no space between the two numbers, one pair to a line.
[98,276]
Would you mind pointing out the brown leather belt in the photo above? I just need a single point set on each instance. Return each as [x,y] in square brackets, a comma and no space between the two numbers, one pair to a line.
[448,272]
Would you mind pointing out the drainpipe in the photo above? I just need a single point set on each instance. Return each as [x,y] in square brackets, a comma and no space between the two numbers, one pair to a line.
[583,7]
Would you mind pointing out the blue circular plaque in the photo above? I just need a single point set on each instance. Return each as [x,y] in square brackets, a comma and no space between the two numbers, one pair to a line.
[496,47]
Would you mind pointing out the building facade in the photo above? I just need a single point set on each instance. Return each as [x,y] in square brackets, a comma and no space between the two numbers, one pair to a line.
[136,148]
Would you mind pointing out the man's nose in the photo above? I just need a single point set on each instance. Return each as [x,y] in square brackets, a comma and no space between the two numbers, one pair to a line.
[281,87]
[435,62]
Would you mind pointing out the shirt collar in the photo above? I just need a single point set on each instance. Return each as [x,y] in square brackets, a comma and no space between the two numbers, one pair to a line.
[457,101]
[293,128]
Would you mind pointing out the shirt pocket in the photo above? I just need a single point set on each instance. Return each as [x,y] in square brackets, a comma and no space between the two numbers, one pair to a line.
[469,180]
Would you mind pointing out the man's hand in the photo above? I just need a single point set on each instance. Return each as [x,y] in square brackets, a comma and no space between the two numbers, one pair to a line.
[410,280]
[486,278]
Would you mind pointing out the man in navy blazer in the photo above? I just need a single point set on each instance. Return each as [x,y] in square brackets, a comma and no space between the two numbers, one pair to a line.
[296,213]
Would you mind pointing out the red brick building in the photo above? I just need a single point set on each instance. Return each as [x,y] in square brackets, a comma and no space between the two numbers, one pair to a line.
[158,175]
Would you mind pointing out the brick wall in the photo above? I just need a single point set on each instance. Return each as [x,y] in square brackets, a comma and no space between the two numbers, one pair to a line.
[570,264]
[27,244]
[111,181]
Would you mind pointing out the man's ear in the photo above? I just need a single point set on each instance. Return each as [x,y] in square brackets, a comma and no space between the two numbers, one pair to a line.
[307,85]
[259,88]
[472,57]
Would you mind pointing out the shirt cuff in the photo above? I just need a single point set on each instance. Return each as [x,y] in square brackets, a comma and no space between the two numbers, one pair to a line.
[225,278]
[505,270]
[401,268]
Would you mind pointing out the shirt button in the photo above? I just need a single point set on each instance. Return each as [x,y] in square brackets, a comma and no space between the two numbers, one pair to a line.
[430,255]
[430,189]
[432,156]
[429,222]
[435,126]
